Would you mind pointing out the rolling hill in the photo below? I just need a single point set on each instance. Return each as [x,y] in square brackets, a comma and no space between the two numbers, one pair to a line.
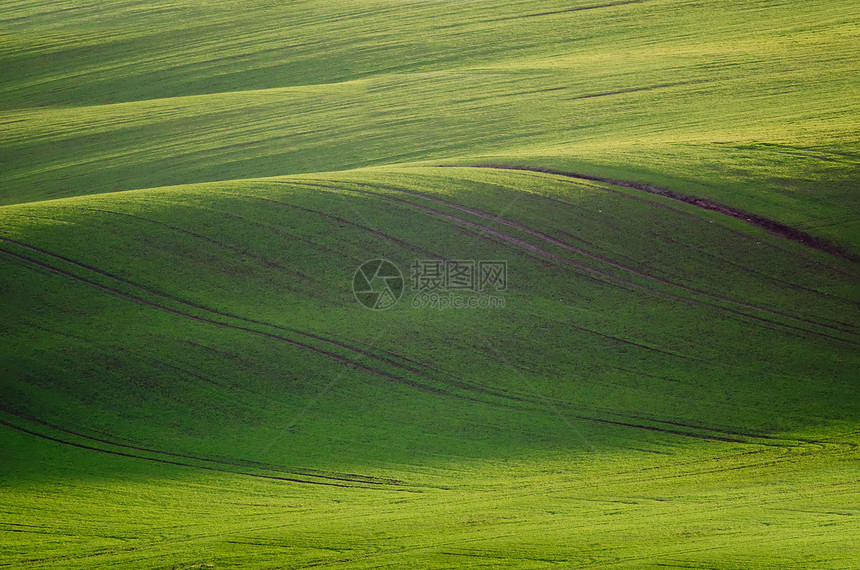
[664,375]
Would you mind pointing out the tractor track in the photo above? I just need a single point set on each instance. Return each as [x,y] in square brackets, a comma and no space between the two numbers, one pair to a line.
[338,219]
[485,391]
[171,461]
[314,473]
[388,358]
[602,275]
[774,227]
[606,187]
[549,239]
[264,260]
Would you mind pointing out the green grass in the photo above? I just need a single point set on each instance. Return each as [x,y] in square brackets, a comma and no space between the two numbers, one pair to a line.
[187,381]
[753,104]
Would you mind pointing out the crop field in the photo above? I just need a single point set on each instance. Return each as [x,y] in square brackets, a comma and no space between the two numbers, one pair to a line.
[432,284]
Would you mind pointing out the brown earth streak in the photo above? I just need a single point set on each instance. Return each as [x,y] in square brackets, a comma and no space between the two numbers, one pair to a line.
[772,226]
[595,273]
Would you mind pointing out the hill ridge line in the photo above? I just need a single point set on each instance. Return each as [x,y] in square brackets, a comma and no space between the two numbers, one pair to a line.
[237,92]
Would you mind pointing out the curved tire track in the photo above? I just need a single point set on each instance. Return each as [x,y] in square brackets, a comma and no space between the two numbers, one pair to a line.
[338,478]
[774,227]
[523,245]
[391,358]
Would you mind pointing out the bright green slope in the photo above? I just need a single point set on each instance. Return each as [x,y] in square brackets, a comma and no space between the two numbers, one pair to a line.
[753,103]
[186,379]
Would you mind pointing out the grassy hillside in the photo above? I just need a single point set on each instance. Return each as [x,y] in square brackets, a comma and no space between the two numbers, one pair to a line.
[187,379]
[754,104]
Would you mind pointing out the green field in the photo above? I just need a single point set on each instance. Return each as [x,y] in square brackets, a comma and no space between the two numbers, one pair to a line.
[187,379]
